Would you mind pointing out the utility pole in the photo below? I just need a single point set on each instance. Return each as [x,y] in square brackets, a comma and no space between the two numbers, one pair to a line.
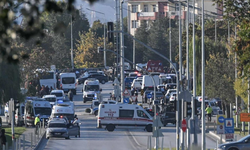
[203,141]
[194,76]
[133,54]
[104,41]
[236,76]
[180,70]
[72,59]
[187,47]
[215,37]
[170,40]
[122,51]
[117,6]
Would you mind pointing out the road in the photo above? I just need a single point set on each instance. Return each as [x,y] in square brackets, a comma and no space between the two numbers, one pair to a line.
[93,138]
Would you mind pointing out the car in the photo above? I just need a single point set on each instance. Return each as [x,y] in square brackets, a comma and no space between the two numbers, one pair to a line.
[159,96]
[242,144]
[168,117]
[136,84]
[167,95]
[58,93]
[57,128]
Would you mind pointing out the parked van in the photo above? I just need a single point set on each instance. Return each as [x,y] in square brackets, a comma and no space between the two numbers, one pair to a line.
[34,107]
[147,82]
[123,115]
[63,110]
[91,88]
[68,82]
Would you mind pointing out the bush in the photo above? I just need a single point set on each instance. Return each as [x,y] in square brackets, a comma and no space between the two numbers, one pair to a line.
[87,110]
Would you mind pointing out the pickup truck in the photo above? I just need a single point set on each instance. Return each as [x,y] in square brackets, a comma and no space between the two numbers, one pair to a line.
[168,117]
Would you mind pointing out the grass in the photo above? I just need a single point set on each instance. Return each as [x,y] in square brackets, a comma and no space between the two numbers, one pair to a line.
[8,133]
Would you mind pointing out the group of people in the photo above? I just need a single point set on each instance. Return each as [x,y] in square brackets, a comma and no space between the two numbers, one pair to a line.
[44,90]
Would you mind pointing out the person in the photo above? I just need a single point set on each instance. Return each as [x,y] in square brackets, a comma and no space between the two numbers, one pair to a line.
[43,91]
[47,90]
[50,89]
[209,112]
[76,121]
[70,95]
[3,137]
[37,123]
[133,91]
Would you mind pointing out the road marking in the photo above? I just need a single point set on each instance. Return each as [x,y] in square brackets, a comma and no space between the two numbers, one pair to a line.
[131,134]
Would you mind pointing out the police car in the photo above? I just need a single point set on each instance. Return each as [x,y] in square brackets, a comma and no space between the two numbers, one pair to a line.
[123,115]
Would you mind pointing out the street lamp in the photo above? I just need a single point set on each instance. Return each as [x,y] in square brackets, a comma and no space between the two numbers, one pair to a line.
[104,36]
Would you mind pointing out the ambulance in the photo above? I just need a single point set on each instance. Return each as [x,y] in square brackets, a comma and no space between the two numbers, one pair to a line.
[63,110]
[34,107]
[91,89]
[122,114]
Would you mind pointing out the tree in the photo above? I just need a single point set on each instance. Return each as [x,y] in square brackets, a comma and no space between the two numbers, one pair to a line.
[220,77]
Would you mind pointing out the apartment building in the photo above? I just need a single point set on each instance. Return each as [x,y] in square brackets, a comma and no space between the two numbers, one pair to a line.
[149,10]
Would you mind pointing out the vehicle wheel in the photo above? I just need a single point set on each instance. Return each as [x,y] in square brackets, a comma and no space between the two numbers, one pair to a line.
[110,127]
[233,148]
[103,82]
[84,101]
[96,113]
[149,128]
[47,137]
[67,137]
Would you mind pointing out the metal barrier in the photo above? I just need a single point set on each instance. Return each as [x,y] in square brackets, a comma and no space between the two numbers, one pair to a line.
[27,141]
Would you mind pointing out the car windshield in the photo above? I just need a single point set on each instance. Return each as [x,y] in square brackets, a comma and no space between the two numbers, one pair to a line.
[91,87]
[57,94]
[159,94]
[68,80]
[244,138]
[51,99]
[57,125]
[42,110]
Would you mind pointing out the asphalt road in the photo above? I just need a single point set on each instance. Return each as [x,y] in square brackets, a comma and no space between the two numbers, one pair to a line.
[93,138]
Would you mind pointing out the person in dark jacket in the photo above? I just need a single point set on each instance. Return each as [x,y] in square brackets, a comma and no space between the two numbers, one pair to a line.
[47,90]
[43,91]
[3,137]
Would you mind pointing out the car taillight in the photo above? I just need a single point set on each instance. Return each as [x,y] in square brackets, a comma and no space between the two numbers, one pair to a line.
[61,85]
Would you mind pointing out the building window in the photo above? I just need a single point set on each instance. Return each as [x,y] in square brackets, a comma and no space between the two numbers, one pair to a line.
[134,8]
[145,8]
[154,8]
[176,7]
[134,24]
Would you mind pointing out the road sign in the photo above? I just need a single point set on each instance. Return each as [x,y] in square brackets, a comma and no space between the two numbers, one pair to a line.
[184,125]
[126,93]
[126,100]
[186,95]
[194,126]
[244,117]
[229,125]
[156,130]
[149,95]
[229,137]
[220,119]
[220,129]
[133,98]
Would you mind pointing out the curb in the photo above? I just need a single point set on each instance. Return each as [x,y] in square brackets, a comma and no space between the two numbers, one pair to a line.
[216,136]
[40,141]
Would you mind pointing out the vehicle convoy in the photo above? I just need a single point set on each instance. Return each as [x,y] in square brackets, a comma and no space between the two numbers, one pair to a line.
[123,115]
[68,82]
[63,110]
[34,107]
[91,88]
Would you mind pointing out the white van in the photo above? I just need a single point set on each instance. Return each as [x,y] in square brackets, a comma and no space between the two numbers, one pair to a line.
[123,115]
[147,82]
[34,107]
[63,110]
[68,82]
[91,88]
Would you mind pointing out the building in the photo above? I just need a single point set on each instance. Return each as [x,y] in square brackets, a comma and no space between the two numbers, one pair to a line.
[150,10]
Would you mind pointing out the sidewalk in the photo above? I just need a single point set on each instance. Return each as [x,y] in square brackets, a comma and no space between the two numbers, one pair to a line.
[28,140]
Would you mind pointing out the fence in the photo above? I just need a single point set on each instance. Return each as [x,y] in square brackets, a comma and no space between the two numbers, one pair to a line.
[28,140]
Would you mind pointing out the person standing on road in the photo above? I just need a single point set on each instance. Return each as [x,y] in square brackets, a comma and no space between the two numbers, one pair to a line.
[37,123]
[70,95]
[209,112]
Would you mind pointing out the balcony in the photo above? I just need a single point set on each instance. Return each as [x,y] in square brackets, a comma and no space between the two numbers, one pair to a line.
[175,14]
[147,15]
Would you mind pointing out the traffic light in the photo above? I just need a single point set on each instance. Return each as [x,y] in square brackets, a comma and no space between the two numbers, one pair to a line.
[187,109]
[110,34]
